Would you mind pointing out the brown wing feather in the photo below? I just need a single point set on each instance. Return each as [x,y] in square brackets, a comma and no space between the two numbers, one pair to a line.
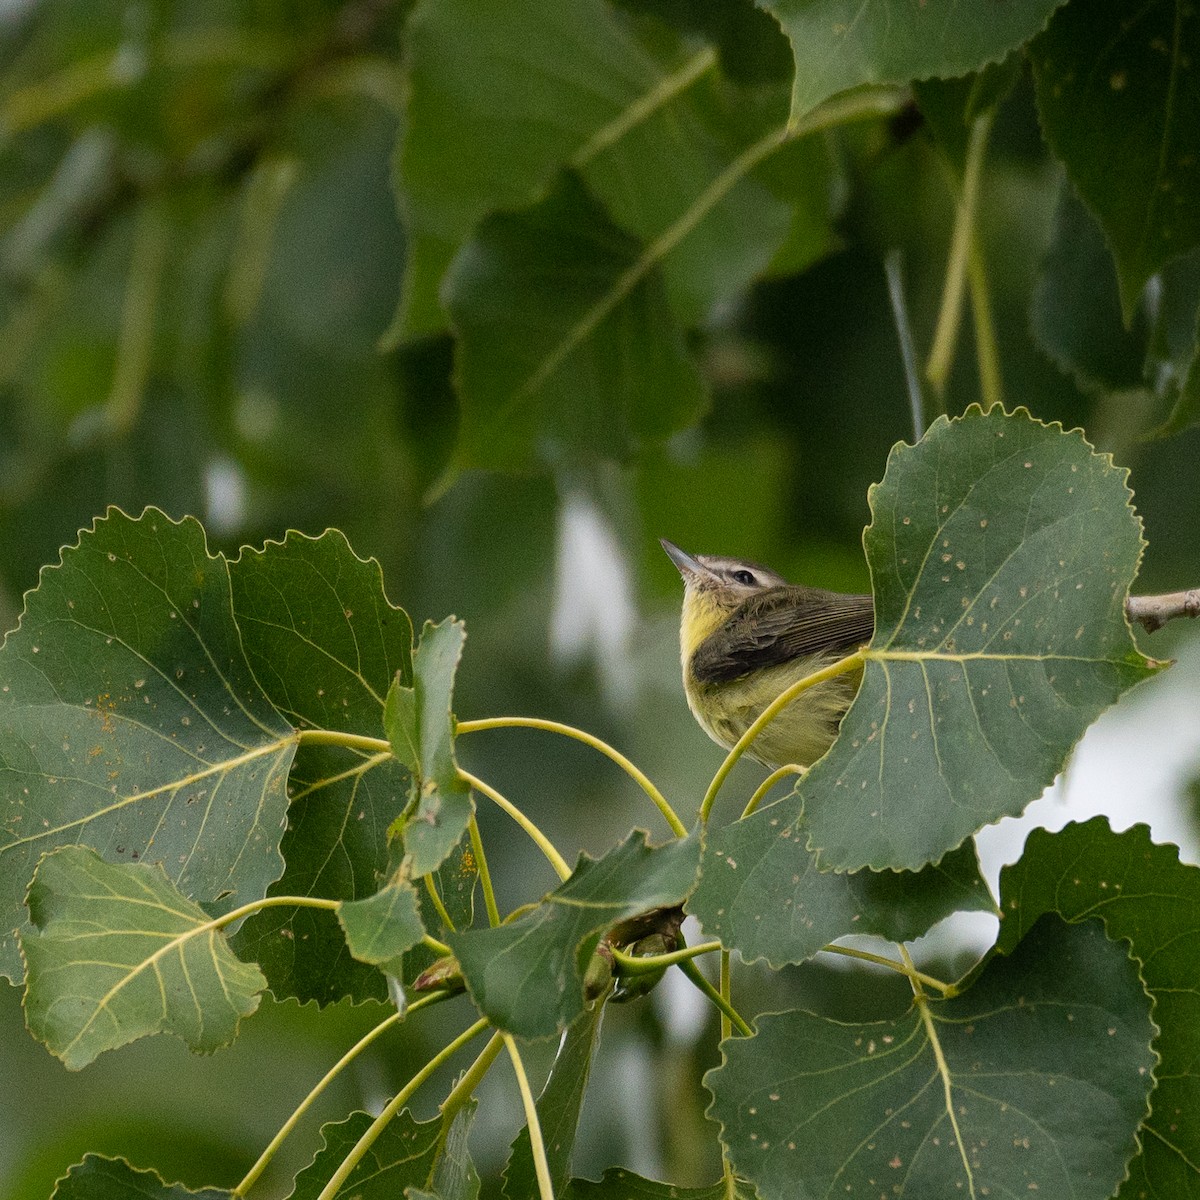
[779,625]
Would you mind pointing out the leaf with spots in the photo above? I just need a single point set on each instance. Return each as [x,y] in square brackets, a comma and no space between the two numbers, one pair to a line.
[762,893]
[115,953]
[1032,1082]
[1141,891]
[526,976]
[325,643]
[1120,106]
[99,1178]
[419,721]
[1001,553]
[131,721]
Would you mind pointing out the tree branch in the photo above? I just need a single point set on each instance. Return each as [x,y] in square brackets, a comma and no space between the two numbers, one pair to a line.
[1155,611]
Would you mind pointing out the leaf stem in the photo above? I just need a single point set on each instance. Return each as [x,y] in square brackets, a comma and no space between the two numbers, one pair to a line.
[342,1063]
[462,1091]
[918,401]
[485,875]
[904,968]
[542,842]
[536,1144]
[767,784]
[580,735]
[726,996]
[337,737]
[987,352]
[372,1132]
[729,1015]
[635,964]
[432,943]
[945,338]
[942,1066]
[768,714]
[436,901]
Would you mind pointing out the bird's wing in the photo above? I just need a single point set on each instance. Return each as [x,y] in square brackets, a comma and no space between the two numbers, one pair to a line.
[779,625]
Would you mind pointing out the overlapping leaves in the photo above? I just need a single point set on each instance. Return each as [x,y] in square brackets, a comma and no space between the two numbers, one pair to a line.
[131,721]
[1035,1080]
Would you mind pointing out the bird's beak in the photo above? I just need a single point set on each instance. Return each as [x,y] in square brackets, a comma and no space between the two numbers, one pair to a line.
[688,566]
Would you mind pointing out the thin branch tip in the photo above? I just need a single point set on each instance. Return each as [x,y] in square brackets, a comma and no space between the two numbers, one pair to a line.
[1153,612]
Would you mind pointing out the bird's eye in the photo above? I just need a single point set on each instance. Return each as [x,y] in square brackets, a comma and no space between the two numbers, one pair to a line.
[744,577]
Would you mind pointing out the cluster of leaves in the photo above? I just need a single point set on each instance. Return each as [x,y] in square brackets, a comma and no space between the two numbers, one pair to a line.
[164,712]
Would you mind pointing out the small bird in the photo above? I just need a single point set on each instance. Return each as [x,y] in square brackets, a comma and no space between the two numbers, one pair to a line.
[746,635]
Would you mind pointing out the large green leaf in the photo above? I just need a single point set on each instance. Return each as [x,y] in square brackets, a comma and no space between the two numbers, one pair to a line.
[1036,1083]
[761,893]
[116,953]
[558,1109]
[420,728]
[527,976]
[840,44]
[1119,106]
[325,643]
[567,349]
[1141,891]
[501,99]
[130,721]
[1001,553]
[97,1178]
[402,1156]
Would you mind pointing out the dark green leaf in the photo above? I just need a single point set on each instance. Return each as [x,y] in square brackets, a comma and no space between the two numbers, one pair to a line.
[527,976]
[130,721]
[558,1109]
[402,1156]
[420,726]
[1001,552]
[1120,108]
[593,97]
[1047,1070]
[951,106]
[1076,310]
[325,643]
[116,953]
[382,927]
[839,44]
[567,346]
[1175,349]
[1141,891]
[620,1184]
[760,892]
[97,1178]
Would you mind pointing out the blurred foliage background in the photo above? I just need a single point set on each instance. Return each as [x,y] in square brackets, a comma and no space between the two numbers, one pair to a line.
[202,258]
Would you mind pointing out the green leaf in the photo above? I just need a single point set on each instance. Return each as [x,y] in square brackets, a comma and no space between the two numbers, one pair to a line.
[1076,310]
[840,44]
[455,881]
[325,643]
[1001,553]
[97,1178]
[116,953]
[527,976]
[420,727]
[1119,109]
[130,721]
[454,1175]
[558,1109]
[567,348]
[1141,891]
[620,1184]
[595,97]
[760,892]
[1037,1083]
[402,1156]
[381,928]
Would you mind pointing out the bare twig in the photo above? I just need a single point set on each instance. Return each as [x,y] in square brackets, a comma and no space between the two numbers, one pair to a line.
[1155,611]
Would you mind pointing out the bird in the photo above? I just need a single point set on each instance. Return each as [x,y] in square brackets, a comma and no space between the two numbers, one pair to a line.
[746,634]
